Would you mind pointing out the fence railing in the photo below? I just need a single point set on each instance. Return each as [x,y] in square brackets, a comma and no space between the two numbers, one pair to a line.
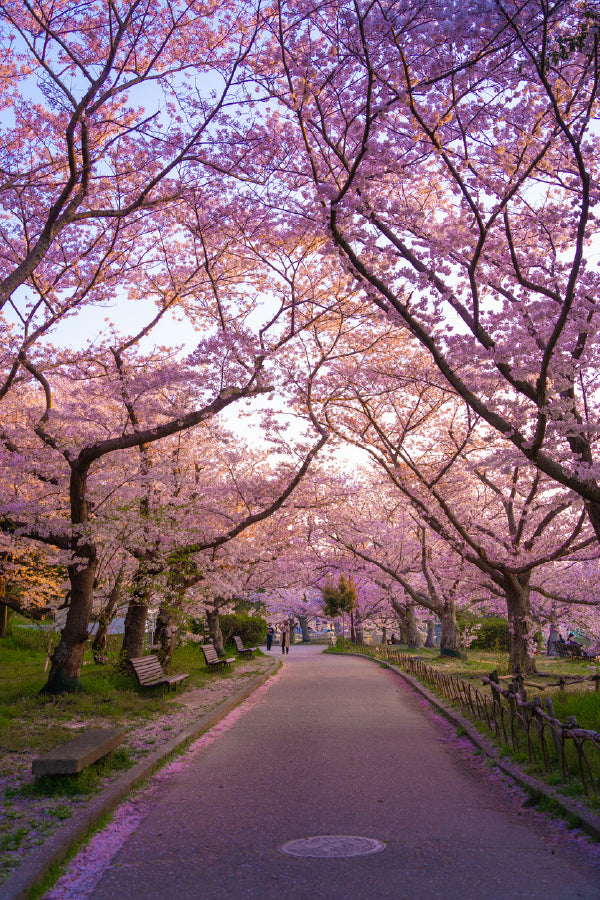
[527,726]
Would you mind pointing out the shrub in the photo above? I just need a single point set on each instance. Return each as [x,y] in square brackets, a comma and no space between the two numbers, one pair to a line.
[492,634]
[251,629]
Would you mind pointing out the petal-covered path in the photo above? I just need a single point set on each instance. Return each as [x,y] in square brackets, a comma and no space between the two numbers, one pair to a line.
[331,746]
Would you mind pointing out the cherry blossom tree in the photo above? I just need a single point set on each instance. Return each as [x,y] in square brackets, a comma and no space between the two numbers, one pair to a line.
[104,121]
[508,523]
[65,460]
[449,157]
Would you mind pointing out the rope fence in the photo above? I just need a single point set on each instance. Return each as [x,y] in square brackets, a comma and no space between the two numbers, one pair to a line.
[529,727]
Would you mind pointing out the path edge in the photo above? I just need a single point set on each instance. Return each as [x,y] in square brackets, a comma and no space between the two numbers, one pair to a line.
[35,867]
[587,820]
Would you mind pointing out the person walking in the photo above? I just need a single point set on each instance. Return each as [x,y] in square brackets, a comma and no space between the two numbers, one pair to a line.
[270,633]
[285,639]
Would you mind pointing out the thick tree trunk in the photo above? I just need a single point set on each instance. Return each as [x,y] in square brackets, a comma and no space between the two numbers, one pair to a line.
[134,628]
[409,633]
[413,634]
[520,625]
[450,637]
[67,659]
[214,629]
[430,639]
[384,635]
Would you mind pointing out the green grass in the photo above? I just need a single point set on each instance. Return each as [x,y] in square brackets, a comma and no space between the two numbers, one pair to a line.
[584,706]
[30,720]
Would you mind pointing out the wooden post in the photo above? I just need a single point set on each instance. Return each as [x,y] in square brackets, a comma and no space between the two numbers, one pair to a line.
[520,690]
[512,690]
[549,706]
[493,676]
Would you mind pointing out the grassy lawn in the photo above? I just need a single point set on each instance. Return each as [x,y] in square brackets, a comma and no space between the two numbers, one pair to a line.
[34,721]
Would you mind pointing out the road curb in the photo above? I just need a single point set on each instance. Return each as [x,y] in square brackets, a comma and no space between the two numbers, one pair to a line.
[587,820]
[34,868]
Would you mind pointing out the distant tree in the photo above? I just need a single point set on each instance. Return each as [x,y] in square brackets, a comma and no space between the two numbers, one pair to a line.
[339,600]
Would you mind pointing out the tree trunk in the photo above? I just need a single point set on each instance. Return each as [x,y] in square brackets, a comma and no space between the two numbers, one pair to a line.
[99,644]
[352,628]
[450,637]
[67,659]
[409,633]
[3,620]
[134,628]
[303,620]
[165,634]
[384,635]
[214,629]
[430,639]
[413,634]
[520,625]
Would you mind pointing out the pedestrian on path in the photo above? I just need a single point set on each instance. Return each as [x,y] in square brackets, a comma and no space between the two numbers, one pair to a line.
[270,633]
[285,639]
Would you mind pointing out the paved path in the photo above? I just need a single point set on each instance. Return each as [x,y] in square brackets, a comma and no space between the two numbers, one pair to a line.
[338,746]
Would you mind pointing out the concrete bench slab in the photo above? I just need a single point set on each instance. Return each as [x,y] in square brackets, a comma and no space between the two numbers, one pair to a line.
[81,751]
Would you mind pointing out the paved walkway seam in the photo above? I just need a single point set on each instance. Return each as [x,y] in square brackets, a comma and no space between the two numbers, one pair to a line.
[587,820]
[34,868]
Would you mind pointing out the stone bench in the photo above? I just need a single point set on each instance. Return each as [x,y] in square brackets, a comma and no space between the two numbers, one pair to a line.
[81,751]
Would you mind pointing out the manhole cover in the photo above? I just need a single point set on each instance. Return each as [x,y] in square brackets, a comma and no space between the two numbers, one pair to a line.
[333,846]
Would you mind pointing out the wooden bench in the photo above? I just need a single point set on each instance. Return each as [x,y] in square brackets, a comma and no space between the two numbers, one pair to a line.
[81,751]
[150,673]
[212,660]
[581,653]
[572,651]
[243,651]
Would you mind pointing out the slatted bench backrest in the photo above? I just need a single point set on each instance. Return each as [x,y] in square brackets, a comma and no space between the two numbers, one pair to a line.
[210,653]
[238,643]
[148,669]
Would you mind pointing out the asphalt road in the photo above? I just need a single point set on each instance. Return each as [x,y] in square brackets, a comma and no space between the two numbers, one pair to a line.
[336,746]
